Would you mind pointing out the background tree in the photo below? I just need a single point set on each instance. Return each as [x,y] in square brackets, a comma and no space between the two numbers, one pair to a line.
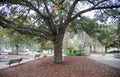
[115,41]
[86,30]
[106,35]
[48,19]
[11,38]
[99,33]
[4,40]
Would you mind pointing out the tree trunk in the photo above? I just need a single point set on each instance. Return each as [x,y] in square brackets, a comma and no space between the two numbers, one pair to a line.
[13,48]
[94,49]
[118,48]
[0,51]
[57,51]
[58,45]
[90,48]
[16,46]
[105,49]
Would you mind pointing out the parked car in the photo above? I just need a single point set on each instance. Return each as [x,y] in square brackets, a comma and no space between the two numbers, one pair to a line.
[117,55]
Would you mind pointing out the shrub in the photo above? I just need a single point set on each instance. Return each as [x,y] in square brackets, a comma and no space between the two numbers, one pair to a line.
[80,53]
[71,51]
[115,51]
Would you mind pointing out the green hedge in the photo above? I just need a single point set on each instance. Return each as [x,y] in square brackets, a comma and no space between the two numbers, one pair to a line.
[71,51]
[80,53]
[76,53]
[115,51]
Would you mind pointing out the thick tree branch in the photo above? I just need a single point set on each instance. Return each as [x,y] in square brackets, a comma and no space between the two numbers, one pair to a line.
[29,4]
[51,26]
[71,9]
[48,19]
[57,6]
[92,2]
[45,3]
[61,23]
[93,8]
[116,18]
[99,3]
[107,7]
[25,30]
[74,4]
[38,3]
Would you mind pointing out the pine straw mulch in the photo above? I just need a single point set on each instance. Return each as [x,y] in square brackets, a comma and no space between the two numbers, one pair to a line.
[74,66]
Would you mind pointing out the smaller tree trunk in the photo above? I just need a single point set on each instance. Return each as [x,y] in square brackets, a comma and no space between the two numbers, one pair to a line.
[0,51]
[17,48]
[118,48]
[105,49]
[94,49]
[90,50]
[13,48]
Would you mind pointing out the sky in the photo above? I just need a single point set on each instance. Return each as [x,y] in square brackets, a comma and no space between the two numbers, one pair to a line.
[89,14]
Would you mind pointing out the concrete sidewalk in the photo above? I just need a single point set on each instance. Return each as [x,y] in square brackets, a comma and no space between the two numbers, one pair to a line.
[108,59]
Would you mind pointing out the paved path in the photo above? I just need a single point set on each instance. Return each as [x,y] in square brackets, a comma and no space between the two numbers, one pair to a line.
[108,59]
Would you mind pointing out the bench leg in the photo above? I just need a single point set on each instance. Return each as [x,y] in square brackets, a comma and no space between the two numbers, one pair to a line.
[9,65]
[19,63]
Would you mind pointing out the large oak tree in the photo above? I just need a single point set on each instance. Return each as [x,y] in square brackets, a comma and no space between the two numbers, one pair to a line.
[48,19]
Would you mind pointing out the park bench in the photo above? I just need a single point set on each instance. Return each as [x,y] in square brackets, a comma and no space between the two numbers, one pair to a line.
[37,56]
[15,61]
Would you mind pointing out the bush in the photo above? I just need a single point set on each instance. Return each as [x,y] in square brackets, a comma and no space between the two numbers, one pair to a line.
[115,51]
[76,53]
[80,53]
[71,51]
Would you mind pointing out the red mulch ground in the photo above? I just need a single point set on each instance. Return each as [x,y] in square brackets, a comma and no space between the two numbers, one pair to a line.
[71,67]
